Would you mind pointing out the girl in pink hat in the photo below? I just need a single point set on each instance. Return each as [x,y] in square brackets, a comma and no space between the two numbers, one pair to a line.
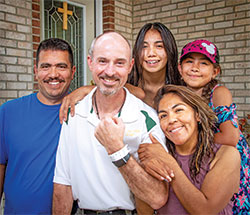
[199,66]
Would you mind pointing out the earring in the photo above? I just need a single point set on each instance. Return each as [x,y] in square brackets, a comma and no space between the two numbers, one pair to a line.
[199,126]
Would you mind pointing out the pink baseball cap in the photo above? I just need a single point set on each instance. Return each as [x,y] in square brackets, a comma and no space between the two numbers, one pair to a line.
[204,47]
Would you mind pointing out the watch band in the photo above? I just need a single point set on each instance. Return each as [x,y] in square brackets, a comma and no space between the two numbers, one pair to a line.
[119,154]
[122,161]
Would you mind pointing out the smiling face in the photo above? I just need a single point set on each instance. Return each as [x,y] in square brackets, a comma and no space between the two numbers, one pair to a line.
[179,123]
[54,74]
[111,63]
[196,71]
[154,56]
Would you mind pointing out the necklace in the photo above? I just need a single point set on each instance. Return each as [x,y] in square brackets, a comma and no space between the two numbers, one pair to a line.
[97,111]
[96,108]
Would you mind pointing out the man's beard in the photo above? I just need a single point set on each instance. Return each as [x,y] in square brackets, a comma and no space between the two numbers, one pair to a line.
[107,92]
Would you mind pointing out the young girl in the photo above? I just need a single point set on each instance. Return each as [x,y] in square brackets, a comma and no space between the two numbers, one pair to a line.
[199,66]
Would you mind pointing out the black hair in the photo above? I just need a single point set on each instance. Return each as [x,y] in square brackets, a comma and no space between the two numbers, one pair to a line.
[55,44]
[172,73]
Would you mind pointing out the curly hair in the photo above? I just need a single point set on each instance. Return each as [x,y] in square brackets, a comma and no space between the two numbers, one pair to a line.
[204,148]
[172,75]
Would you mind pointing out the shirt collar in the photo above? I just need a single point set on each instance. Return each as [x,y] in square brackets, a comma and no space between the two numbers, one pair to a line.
[129,111]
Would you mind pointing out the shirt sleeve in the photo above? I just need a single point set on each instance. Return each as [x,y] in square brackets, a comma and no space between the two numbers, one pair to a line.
[225,113]
[158,134]
[62,170]
[153,126]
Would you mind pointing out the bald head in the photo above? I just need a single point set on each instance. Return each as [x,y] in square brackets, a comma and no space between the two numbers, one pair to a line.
[117,40]
[110,62]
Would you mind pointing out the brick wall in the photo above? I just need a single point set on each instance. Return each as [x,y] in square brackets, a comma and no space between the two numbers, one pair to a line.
[36,38]
[117,16]
[224,22]
[108,15]
[124,18]
[15,49]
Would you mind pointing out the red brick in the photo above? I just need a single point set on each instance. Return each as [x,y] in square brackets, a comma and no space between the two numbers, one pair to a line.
[36,7]
[36,39]
[35,15]
[108,13]
[108,2]
[36,31]
[108,27]
[35,46]
[108,7]
[108,19]
[35,23]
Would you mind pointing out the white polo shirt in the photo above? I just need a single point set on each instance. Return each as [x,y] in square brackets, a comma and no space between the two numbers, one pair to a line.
[83,162]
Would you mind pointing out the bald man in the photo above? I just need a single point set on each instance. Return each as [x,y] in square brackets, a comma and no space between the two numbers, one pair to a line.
[97,157]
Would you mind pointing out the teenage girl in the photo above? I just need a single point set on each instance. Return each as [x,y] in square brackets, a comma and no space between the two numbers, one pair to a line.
[156,60]
[199,66]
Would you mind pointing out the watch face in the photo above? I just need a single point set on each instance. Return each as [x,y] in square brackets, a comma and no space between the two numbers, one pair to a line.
[122,161]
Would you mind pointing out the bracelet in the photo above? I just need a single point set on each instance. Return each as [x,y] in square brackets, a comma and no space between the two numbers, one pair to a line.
[119,154]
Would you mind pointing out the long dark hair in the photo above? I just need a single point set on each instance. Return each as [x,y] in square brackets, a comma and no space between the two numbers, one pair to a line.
[172,74]
[204,148]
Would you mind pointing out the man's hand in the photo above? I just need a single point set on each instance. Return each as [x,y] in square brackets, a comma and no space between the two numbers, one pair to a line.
[110,133]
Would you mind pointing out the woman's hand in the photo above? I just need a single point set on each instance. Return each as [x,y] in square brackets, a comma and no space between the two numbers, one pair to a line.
[70,101]
[154,159]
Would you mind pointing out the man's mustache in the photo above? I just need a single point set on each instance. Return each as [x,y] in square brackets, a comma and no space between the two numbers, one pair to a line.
[54,79]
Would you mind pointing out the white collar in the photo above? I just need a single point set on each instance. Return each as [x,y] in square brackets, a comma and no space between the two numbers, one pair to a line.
[129,111]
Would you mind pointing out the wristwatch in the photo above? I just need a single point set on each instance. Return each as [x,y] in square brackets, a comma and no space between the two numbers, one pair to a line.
[122,161]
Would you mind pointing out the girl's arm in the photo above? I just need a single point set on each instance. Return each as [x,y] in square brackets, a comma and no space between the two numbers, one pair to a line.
[229,134]
[218,187]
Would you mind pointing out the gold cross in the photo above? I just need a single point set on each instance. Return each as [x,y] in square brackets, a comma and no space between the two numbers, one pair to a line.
[65,12]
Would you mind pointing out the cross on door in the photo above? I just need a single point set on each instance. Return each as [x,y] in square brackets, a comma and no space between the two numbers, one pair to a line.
[65,12]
